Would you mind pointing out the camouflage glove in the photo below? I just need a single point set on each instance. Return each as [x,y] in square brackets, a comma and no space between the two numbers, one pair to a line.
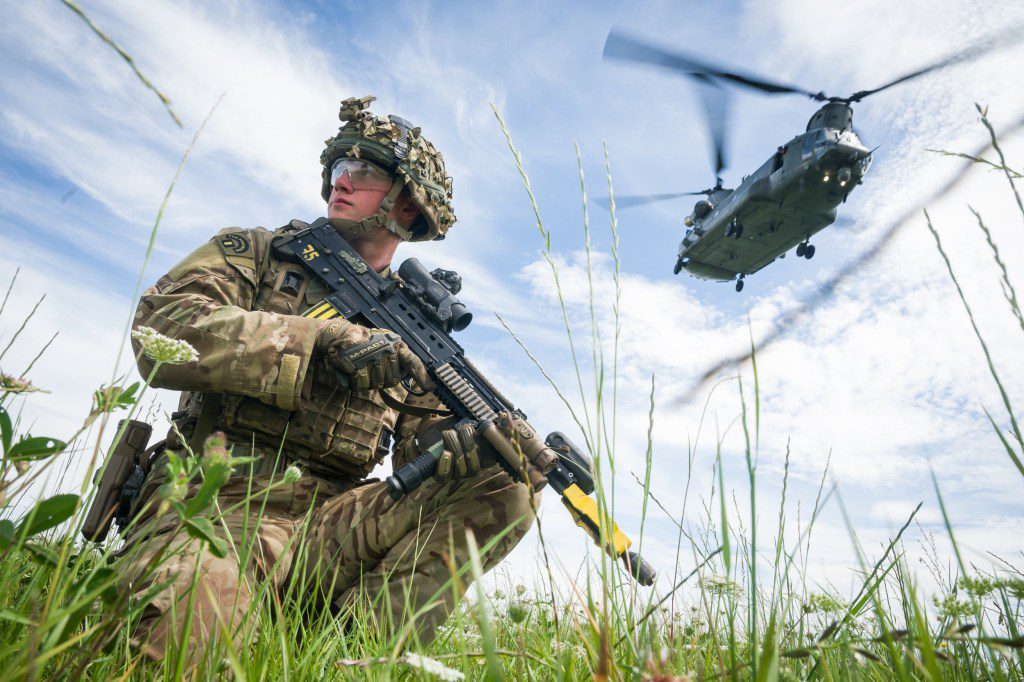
[461,456]
[368,358]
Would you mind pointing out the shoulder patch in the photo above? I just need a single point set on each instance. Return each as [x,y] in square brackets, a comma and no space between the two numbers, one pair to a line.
[234,244]
[242,249]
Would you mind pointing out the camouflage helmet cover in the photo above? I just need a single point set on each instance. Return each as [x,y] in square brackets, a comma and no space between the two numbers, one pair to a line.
[394,144]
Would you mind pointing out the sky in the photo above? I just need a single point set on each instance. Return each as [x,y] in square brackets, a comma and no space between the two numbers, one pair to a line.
[885,381]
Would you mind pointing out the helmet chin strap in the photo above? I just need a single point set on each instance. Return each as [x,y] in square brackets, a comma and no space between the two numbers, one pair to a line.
[350,229]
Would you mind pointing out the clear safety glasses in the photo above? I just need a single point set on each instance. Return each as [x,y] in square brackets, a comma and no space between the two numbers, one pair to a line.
[361,174]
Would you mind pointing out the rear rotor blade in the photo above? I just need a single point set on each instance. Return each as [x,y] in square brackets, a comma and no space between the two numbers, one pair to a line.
[715,99]
[994,42]
[632,200]
[621,46]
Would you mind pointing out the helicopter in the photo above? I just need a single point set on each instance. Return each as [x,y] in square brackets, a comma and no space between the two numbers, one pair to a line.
[733,233]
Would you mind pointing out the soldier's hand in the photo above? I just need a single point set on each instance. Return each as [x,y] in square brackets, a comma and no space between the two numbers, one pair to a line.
[461,456]
[411,366]
[369,358]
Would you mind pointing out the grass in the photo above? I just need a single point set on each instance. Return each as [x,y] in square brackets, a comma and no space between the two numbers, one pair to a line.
[736,605]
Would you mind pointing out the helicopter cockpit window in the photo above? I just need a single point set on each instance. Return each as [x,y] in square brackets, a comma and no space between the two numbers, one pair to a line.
[850,137]
[812,141]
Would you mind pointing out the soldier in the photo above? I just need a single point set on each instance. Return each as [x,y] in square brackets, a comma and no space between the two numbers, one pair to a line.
[280,386]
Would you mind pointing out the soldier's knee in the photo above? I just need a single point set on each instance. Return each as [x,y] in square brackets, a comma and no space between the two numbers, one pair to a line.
[512,506]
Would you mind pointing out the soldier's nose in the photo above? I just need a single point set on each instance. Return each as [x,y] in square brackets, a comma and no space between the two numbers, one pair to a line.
[343,182]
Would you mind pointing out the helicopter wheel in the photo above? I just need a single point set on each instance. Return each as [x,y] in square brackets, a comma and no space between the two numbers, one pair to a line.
[739,285]
[801,248]
[737,231]
[678,267]
[809,252]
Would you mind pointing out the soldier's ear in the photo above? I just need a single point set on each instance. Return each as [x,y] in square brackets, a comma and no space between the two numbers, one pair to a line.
[405,211]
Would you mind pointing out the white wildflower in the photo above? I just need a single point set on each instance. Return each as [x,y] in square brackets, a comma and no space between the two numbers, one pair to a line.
[433,667]
[471,637]
[720,586]
[164,349]
[292,474]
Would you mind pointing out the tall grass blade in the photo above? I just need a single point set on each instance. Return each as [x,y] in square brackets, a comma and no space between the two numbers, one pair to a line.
[977,332]
[126,57]
[1008,290]
[1010,175]
[495,672]
[10,287]
[21,328]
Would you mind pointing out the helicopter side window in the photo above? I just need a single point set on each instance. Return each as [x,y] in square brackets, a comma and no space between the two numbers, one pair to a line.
[808,146]
[777,159]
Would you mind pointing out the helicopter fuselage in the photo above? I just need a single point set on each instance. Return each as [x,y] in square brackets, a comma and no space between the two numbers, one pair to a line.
[792,196]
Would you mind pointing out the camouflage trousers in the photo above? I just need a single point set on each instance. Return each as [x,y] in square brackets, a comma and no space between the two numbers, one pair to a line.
[313,540]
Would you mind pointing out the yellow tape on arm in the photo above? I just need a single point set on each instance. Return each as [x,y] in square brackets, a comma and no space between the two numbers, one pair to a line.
[584,510]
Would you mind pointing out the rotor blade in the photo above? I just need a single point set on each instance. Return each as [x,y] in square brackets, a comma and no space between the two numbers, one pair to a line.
[994,42]
[715,99]
[621,46]
[640,199]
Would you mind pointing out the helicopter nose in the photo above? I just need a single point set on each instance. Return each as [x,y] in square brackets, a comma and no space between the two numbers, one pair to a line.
[851,149]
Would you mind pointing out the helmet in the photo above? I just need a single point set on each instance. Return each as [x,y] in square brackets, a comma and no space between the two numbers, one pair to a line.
[395,145]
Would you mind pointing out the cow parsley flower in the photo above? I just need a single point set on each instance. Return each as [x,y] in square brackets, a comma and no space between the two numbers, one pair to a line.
[433,667]
[164,349]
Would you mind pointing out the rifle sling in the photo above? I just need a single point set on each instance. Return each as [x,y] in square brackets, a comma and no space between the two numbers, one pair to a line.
[412,410]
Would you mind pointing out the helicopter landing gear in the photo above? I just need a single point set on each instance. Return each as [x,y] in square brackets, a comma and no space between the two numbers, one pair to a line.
[678,267]
[739,284]
[805,250]
[735,230]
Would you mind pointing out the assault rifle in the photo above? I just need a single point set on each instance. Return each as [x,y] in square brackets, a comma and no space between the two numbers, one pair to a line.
[422,309]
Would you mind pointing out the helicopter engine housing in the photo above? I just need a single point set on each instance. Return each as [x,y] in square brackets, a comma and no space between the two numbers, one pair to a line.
[702,208]
[838,115]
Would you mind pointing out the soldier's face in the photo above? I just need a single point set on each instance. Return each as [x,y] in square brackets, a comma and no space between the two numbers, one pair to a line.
[349,203]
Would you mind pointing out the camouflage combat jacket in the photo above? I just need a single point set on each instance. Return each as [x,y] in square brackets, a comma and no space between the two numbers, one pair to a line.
[241,307]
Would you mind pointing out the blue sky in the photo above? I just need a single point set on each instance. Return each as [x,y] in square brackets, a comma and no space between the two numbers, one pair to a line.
[886,374]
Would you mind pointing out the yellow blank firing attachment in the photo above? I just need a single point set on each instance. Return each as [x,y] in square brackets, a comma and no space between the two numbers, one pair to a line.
[584,511]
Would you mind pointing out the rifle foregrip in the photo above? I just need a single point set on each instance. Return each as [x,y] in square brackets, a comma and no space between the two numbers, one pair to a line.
[411,476]
[639,568]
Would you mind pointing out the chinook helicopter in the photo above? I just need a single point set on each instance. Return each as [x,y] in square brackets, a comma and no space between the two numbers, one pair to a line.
[794,195]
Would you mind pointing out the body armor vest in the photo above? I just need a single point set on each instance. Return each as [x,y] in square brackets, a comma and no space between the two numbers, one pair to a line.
[337,433]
